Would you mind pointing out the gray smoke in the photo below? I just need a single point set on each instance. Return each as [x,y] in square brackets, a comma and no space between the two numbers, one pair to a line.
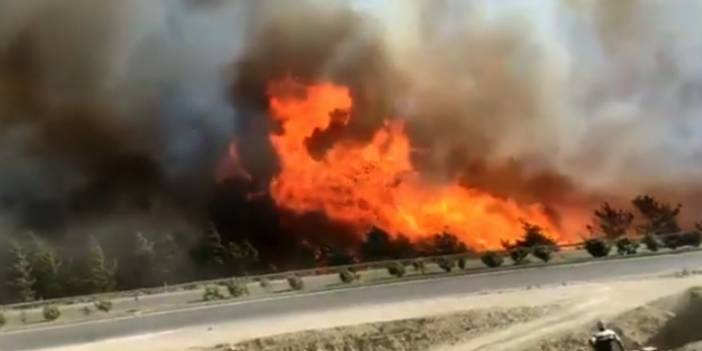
[131,104]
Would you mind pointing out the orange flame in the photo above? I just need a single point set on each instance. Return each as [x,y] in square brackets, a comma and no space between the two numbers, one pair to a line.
[374,183]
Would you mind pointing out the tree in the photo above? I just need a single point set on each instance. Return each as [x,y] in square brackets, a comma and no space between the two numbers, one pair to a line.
[658,218]
[210,251]
[329,256]
[169,254]
[376,245]
[239,257]
[613,223]
[534,236]
[21,279]
[100,275]
[402,247]
[443,244]
[47,266]
[141,270]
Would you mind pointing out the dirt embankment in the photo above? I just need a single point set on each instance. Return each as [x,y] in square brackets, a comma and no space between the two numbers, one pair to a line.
[416,334]
[671,323]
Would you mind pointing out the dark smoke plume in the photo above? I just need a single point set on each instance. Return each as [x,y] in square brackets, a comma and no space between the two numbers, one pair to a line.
[129,106]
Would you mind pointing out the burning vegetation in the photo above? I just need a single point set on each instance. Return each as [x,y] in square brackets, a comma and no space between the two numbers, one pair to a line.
[231,137]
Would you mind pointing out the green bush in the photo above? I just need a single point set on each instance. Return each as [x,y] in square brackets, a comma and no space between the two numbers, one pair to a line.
[543,252]
[652,243]
[446,264]
[597,247]
[103,305]
[212,293]
[419,266]
[396,269]
[296,283]
[626,246]
[346,276]
[264,283]
[3,321]
[492,259]
[51,313]
[518,254]
[237,287]
[462,263]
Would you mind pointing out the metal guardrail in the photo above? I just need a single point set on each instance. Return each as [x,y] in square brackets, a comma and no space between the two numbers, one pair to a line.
[357,267]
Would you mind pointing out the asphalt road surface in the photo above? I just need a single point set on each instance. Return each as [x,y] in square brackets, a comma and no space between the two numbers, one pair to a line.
[422,289]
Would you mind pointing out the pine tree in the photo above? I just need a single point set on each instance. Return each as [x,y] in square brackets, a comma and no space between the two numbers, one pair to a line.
[143,264]
[100,275]
[21,277]
[47,266]
[169,259]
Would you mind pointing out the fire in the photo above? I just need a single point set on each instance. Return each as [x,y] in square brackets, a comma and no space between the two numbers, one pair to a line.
[374,183]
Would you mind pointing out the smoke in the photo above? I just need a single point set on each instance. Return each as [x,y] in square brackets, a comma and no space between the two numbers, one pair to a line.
[109,105]
[129,105]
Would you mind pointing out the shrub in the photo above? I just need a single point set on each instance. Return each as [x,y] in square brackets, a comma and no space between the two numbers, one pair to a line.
[651,242]
[462,263]
[446,264]
[518,254]
[626,246]
[51,313]
[597,247]
[492,259]
[264,283]
[103,305]
[237,287]
[296,283]
[212,293]
[346,276]
[396,269]
[419,266]
[544,253]
[3,321]
[689,239]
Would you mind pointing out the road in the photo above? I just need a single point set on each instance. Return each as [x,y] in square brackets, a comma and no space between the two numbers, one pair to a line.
[284,306]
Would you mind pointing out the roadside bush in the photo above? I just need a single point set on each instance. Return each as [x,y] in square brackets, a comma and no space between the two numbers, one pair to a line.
[492,259]
[518,255]
[212,293]
[446,264]
[396,269]
[419,266]
[296,283]
[346,276]
[462,263]
[103,305]
[51,313]
[237,287]
[597,247]
[543,252]
[651,242]
[684,239]
[3,321]
[626,246]
[672,241]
